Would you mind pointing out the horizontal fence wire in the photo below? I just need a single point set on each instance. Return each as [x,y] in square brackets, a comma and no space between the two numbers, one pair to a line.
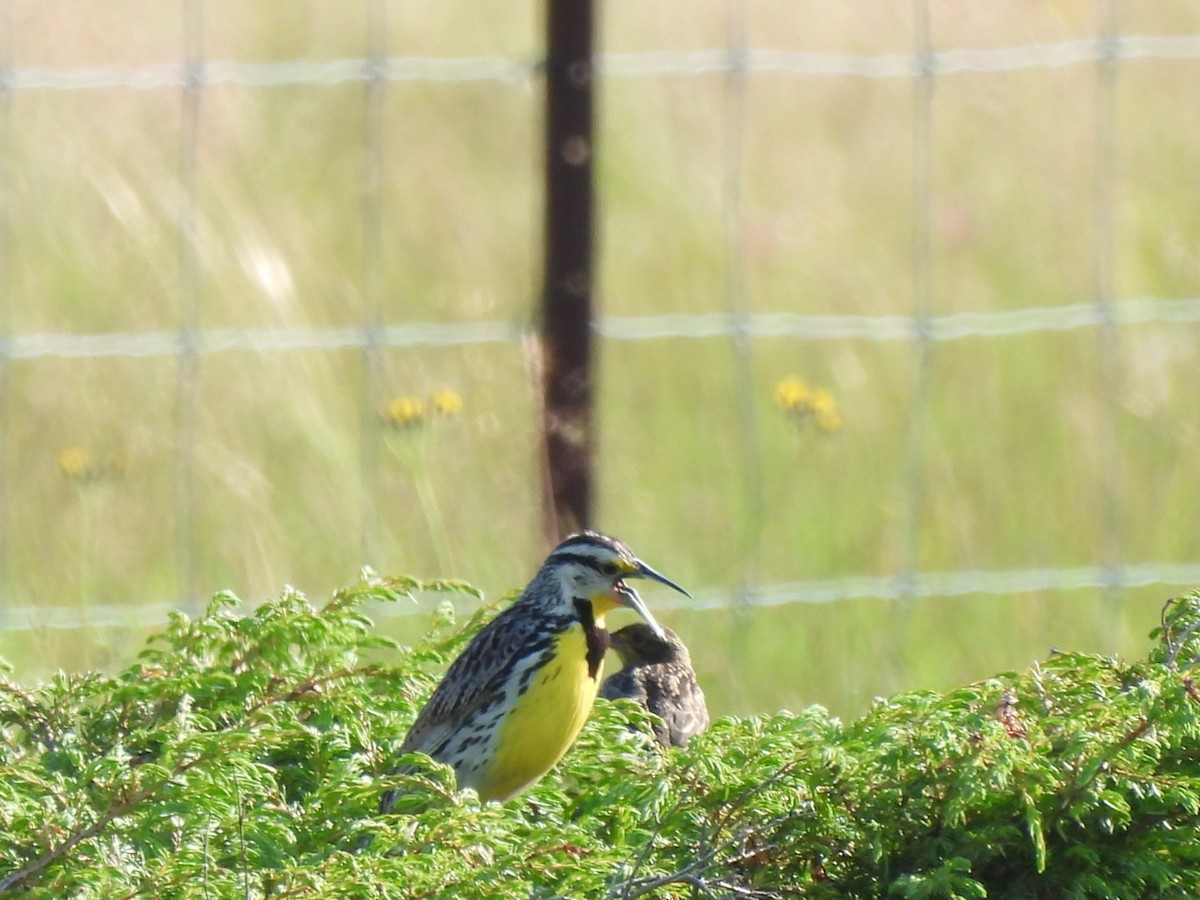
[884,588]
[952,326]
[699,62]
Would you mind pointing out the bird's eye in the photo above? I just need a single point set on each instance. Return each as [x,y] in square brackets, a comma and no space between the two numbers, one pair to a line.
[610,569]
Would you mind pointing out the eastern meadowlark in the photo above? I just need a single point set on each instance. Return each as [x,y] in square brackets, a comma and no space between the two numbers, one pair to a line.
[514,701]
[658,674]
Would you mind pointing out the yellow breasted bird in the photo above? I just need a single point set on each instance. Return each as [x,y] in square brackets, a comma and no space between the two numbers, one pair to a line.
[658,674]
[514,701]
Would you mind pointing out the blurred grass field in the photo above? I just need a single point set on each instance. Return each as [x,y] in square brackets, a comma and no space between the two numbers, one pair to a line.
[1033,446]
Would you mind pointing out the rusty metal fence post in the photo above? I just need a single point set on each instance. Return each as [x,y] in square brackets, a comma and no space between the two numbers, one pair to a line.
[566,322]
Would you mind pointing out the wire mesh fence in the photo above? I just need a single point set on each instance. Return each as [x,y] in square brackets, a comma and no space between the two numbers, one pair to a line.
[737,317]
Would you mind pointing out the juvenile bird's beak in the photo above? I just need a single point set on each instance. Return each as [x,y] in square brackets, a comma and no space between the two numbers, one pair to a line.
[630,598]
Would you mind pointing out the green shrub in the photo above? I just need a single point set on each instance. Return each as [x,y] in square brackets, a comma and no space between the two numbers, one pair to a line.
[244,755]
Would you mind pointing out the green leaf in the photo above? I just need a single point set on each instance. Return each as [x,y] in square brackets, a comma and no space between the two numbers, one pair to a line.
[1033,827]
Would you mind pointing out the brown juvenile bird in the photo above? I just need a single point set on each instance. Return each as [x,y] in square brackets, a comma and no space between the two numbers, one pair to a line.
[658,674]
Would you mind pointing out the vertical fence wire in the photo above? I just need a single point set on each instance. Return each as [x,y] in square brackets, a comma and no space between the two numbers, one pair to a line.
[375,88]
[924,85]
[1108,334]
[188,372]
[733,141]
[6,290]
[733,155]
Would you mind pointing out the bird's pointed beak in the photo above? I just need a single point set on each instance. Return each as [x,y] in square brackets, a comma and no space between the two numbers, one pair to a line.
[644,571]
[631,599]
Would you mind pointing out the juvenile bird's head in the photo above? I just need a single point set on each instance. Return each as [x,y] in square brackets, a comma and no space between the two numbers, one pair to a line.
[594,567]
[639,645]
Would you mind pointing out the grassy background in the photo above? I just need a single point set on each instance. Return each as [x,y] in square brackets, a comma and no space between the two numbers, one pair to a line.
[1027,447]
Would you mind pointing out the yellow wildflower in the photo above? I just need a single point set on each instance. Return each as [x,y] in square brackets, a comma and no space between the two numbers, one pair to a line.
[404,412]
[79,466]
[821,401]
[791,392]
[75,463]
[446,402]
[828,420]
[804,403]
[824,411]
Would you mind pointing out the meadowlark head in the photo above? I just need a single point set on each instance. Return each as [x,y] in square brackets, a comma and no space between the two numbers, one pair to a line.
[595,567]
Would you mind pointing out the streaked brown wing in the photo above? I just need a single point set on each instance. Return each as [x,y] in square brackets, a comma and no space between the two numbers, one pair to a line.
[674,695]
[473,679]
[691,715]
